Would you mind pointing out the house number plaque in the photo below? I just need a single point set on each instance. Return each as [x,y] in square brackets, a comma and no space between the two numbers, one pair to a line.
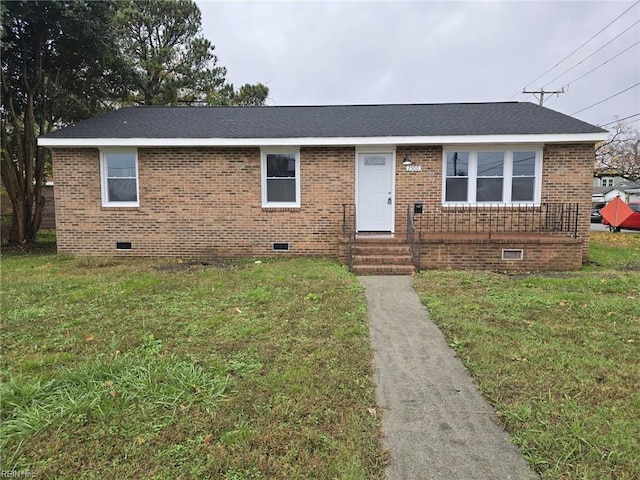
[414,168]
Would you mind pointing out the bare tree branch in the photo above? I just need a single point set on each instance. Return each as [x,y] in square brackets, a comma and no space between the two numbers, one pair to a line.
[620,154]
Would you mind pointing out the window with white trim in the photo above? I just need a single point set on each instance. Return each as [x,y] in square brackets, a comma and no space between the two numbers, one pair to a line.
[457,181]
[280,178]
[607,182]
[492,175]
[119,172]
[523,181]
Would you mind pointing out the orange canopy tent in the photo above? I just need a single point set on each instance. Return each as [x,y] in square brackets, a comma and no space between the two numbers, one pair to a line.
[616,212]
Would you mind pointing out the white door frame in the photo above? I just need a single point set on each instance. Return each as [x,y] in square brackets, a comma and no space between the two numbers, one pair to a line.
[381,150]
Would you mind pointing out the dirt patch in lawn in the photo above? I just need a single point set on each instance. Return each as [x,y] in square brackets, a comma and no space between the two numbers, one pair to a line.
[186,265]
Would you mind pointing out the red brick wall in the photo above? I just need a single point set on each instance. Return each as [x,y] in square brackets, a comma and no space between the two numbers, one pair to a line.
[207,201]
[202,202]
[425,185]
[538,254]
[568,177]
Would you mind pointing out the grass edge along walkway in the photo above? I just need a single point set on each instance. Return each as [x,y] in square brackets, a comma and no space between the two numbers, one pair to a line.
[557,354]
[164,369]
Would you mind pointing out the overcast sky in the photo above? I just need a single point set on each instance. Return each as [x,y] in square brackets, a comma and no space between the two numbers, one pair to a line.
[356,52]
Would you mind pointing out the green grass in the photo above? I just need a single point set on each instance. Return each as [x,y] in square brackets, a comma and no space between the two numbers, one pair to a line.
[558,355]
[116,368]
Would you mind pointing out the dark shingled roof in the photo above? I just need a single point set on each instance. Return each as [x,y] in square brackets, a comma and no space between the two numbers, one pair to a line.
[506,118]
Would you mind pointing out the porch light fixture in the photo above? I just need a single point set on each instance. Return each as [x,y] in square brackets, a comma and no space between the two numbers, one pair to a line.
[406,161]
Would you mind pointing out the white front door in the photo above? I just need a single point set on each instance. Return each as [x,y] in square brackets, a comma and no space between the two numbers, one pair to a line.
[374,208]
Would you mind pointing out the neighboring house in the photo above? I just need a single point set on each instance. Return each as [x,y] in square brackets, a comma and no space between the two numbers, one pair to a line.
[48,215]
[481,185]
[627,190]
[598,196]
[607,181]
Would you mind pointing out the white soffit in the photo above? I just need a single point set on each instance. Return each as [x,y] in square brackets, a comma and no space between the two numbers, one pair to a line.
[322,141]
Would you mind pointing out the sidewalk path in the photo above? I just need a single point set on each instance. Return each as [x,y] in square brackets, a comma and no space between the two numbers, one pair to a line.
[436,423]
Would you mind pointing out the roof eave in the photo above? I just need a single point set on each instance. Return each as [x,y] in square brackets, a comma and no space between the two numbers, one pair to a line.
[53,142]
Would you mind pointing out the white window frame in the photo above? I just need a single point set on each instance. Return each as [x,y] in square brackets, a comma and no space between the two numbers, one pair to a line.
[500,177]
[104,179]
[507,173]
[263,174]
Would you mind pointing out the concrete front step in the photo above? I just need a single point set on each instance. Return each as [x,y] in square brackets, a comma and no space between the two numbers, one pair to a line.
[382,269]
[393,259]
[374,249]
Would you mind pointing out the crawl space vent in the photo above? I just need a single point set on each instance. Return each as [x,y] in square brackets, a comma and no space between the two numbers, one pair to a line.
[513,254]
[281,246]
[123,245]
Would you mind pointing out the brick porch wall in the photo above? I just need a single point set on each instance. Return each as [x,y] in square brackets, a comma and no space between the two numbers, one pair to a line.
[538,253]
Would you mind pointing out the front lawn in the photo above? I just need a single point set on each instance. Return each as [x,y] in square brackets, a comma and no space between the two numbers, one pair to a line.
[162,369]
[557,354]
[257,370]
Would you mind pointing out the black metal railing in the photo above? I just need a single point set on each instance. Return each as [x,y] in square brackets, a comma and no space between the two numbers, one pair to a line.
[414,237]
[486,219]
[498,218]
[349,229]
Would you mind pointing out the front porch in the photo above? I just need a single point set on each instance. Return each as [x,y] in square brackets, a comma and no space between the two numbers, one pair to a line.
[488,237]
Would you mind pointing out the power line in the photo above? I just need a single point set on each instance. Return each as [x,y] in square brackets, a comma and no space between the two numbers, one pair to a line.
[589,56]
[603,63]
[608,98]
[589,72]
[553,100]
[621,119]
[580,47]
[577,49]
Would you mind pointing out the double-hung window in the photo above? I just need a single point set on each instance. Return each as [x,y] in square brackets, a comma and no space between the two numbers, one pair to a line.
[280,178]
[523,183]
[457,182]
[492,175]
[119,172]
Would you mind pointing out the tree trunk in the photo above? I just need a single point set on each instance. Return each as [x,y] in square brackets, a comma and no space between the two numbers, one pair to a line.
[23,172]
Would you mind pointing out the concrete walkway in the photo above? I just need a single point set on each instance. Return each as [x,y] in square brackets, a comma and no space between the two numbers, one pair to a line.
[436,423]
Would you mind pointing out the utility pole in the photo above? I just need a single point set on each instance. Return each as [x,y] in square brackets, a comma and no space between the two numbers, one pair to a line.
[542,93]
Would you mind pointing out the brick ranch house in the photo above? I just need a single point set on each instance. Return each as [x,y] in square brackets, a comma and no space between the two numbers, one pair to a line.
[384,188]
